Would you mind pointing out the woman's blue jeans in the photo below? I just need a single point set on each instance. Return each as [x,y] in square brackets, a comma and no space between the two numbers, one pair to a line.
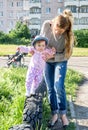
[54,75]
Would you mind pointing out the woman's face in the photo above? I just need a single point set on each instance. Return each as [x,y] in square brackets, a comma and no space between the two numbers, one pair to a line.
[57,30]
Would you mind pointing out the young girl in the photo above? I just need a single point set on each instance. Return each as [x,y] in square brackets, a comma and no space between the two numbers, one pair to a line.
[37,63]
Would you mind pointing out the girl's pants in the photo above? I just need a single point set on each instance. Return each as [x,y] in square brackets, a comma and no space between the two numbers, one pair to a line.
[54,75]
[33,79]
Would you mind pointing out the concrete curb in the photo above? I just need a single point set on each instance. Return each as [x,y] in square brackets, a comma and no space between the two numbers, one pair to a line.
[72,110]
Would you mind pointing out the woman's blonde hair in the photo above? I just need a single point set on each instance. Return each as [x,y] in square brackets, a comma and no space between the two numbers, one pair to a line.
[69,33]
[65,21]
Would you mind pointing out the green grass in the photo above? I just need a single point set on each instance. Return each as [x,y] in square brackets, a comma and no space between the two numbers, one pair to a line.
[12,96]
[80,51]
[12,90]
[11,49]
[7,49]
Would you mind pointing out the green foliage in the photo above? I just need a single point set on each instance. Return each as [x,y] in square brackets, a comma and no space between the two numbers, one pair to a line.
[81,38]
[72,80]
[12,96]
[4,37]
[20,31]
[19,35]
[12,89]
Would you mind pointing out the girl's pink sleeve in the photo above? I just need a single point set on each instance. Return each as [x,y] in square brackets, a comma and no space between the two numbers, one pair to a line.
[50,51]
[25,49]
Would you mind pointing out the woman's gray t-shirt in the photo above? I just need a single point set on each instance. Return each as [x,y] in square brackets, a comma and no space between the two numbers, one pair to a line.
[54,41]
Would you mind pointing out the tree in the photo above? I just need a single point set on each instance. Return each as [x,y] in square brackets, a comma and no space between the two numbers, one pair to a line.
[21,31]
[20,34]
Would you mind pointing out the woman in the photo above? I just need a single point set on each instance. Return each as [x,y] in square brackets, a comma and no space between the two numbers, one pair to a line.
[60,35]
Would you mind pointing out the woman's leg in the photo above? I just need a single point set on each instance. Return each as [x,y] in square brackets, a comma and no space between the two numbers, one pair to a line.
[60,73]
[49,79]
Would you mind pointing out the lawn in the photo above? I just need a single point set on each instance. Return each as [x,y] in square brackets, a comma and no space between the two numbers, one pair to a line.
[80,51]
[12,96]
[12,90]
[11,49]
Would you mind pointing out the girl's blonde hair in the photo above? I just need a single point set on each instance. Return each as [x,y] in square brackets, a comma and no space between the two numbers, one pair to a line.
[65,21]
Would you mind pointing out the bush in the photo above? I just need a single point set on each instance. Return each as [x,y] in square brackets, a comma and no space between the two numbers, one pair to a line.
[19,35]
[81,38]
[4,37]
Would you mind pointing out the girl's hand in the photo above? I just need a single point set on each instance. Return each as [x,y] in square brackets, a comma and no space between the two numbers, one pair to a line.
[32,52]
[47,56]
[53,50]
[18,48]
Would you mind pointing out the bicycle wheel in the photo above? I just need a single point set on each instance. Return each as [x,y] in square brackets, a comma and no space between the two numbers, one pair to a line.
[21,127]
[32,113]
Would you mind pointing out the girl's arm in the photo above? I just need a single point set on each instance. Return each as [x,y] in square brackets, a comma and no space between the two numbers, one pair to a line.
[25,49]
[49,53]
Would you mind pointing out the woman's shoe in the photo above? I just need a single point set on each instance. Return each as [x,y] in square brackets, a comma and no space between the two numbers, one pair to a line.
[52,124]
[64,121]
[53,121]
[65,126]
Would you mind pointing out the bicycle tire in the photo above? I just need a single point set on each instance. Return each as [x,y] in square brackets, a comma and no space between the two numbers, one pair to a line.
[21,127]
[32,112]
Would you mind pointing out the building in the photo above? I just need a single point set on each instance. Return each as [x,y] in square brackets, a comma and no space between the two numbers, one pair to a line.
[80,12]
[40,10]
[10,12]
[35,12]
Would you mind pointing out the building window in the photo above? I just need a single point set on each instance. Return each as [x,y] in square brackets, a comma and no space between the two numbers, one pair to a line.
[11,23]
[19,4]
[83,9]
[11,4]
[84,21]
[20,14]
[35,1]
[11,14]
[75,21]
[87,9]
[1,4]
[35,10]
[60,10]
[1,23]
[1,13]
[72,8]
[47,0]
[48,10]
[60,0]
[34,21]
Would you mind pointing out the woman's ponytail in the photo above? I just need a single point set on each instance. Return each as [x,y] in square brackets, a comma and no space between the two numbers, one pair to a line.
[69,36]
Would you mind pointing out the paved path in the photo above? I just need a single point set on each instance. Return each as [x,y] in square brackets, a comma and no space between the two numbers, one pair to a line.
[80,106]
[79,64]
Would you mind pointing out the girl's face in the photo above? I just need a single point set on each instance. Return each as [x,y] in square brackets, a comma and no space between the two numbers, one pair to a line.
[57,30]
[40,46]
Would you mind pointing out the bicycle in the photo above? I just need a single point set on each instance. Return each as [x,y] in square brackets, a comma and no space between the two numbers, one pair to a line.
[16,60]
